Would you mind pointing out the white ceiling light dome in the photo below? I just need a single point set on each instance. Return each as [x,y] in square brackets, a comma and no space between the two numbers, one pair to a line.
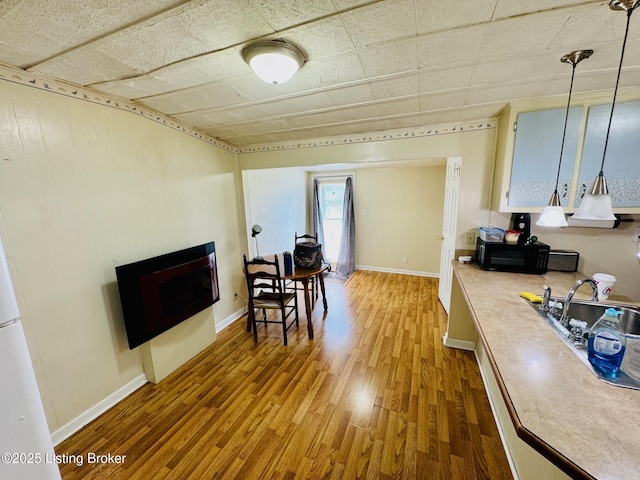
[274,61]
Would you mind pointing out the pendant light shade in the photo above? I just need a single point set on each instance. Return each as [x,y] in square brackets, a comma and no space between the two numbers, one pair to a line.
[274,61]
[596,205]
[553,215]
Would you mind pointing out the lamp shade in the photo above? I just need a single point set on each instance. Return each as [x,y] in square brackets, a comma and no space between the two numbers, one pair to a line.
[595,207]
[274,61]
[552,216]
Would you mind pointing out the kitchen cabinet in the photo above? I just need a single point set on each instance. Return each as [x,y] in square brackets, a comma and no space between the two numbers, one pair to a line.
[536,153]
[621,167]
[528,151]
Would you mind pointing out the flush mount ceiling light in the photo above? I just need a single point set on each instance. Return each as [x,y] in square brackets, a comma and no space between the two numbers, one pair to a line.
[596,205]
[274,61]
[552,215]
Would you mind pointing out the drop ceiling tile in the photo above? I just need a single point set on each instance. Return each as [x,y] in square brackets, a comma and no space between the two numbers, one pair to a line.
[508,69]
[333,116]
[381,22]
[441,101]
[524,35]
[194,99]
[395,87]
[213,67]
[445,79]
[281,14]
[588,28]
[84,67]
[204,119]
[439,117]
[326,72]
[142,86]
[402,106]
[448,48]
[396,57]
[281,107]
[158,45]
[481,112]
[490,94]
[251,89]
[509,8]
[350,95]
[227,22]
[321,39]
[406,121]
[435,15]
[41,28]
[349,4]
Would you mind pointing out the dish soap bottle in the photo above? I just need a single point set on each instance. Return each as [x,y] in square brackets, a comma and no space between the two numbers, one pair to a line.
[607,343]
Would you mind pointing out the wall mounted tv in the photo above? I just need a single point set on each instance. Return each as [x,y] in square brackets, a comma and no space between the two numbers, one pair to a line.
[160,292]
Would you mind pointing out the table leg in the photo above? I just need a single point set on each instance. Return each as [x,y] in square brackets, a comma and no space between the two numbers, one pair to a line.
[324,296]
[307,306]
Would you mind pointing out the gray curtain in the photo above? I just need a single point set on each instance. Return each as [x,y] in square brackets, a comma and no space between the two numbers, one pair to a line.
[347,255]
[318,230]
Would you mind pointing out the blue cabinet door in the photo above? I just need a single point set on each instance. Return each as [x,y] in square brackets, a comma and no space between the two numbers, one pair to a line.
[536,155]
[622,162]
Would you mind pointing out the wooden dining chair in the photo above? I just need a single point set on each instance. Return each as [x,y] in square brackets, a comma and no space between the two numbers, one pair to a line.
[306,237]
[267,292]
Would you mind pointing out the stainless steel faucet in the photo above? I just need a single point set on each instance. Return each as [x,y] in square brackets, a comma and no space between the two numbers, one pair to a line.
[564,319]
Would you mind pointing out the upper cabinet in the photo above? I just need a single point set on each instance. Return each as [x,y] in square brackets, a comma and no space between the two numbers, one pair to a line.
[536,155]
[528,152]
[621,166]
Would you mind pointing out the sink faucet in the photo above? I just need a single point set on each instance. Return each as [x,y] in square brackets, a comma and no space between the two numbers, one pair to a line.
[564,319]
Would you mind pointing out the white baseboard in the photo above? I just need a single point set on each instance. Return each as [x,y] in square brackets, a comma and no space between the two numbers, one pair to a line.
[98,409]
[402,272]
[105,404]
[229,320]
[460,344]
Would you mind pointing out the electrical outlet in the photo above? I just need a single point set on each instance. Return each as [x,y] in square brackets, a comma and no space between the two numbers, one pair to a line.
[471,237]
[404,259]
[636,235]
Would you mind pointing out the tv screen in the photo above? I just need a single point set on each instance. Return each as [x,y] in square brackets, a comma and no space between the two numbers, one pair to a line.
[160,292]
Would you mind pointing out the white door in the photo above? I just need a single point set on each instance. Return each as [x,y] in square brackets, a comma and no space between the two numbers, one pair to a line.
[449,221]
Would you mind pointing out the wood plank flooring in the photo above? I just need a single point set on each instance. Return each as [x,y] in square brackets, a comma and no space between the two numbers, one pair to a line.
[375,395]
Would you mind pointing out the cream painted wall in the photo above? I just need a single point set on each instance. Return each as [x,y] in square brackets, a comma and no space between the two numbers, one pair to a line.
[84,188]
[276,199]
[476,147]
[403,218]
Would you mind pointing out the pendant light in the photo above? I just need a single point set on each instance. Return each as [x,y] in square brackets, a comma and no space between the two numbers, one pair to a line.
[552,215]
[596,205]
[274,61]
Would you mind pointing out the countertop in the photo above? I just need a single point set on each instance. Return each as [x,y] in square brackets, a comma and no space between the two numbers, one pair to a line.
[553,397]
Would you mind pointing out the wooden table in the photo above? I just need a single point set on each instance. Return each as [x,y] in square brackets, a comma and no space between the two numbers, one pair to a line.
[303,275]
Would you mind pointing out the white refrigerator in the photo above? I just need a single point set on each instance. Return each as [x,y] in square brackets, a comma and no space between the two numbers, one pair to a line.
[26,450]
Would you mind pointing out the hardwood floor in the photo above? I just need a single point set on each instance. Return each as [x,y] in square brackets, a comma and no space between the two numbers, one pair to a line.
[375,395]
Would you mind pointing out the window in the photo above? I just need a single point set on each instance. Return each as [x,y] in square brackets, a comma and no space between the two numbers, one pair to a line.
[331,198]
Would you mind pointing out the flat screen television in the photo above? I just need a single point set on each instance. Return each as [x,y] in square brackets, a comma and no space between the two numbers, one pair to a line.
[160,292]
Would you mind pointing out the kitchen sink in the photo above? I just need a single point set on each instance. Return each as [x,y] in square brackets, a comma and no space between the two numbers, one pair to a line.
[576,337]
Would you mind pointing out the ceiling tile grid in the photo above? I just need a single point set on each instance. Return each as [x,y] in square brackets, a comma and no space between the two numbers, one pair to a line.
[370,64]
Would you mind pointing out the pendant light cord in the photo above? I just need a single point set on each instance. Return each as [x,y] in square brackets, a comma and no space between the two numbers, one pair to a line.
[615,91]
[566,119]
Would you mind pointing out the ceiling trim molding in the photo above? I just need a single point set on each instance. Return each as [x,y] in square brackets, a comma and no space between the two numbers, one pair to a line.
[28,79]
[426,131]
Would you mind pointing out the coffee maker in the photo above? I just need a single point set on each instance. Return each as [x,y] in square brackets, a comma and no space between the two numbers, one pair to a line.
[522,222]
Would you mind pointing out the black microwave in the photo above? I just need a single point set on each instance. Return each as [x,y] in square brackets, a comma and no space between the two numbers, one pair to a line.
[528,258]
